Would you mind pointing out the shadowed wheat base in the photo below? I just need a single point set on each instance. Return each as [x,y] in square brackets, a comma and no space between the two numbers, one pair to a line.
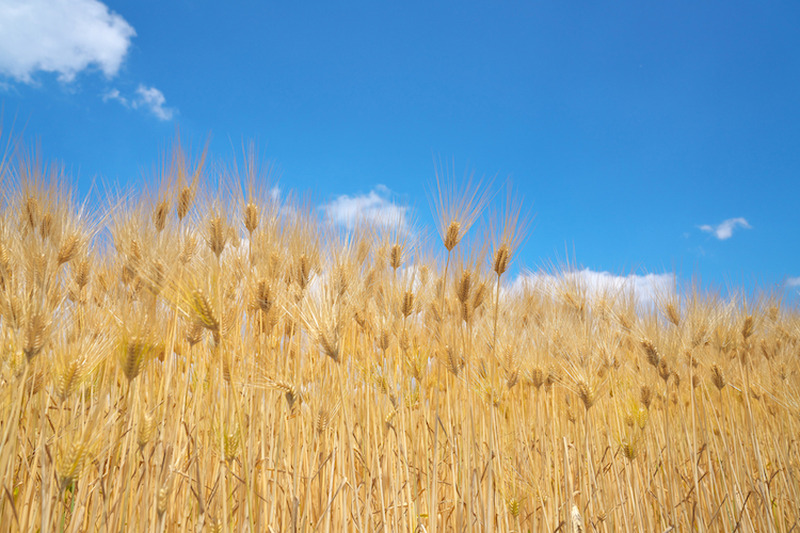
[206,359]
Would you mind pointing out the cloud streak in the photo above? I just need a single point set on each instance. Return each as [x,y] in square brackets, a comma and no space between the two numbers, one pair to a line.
[63,37]
[724,230]
[147,98]
[114,94]
[153,100]
[375,208]
[646,290]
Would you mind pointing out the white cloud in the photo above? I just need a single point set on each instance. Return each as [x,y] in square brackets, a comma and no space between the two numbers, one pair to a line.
[725,229]
[114,94]
[373,208]
[153,100]
[64,37]
[646,289]
[147,98]
[793,282]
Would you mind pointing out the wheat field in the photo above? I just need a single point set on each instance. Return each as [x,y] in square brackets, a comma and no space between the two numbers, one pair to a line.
[200,356]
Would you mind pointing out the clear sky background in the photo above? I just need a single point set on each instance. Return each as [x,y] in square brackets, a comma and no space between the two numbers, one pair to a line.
[647,137]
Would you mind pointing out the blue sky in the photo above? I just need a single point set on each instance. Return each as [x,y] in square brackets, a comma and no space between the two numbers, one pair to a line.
[647,138]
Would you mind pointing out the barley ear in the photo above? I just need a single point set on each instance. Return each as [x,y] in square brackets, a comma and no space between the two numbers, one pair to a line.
[717,376]
[185,198]
[502,256]
[251,217]
[203,310]
[577,520]
[160,215]
[69,248]
[453,235]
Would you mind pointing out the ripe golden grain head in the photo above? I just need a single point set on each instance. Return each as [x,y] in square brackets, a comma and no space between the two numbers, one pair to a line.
[162,499]
[717,376]
[74,450]
[748,327]
[251,217]
[290,393]
[188,249]
[513,505]
[160,215]
[537,377]
[82,272]
[194,333]
[452,235]
[384,338]
[185,199]
[455,362]
[231,441]
[502,256]
[134,354]
[324,417]
[66,377]
[577,520]
[36,330]
[396,256]
[629,449]
[46,229]
[70,461]
[31,209]
[5,258]
[303,270]
[646,395]
[512,377]
[407,306]
[587,393]
[263,295]
[464,285]
[146,429]
[673,315]
[664,370]
[216,234]
[69,248]
[651,353]
[203,310]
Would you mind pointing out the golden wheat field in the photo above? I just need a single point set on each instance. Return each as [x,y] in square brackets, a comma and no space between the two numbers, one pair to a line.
[202,357]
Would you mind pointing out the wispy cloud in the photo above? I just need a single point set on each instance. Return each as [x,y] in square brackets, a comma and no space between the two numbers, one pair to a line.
[375,207]
[63,37]
[725,229]
[153,100]
[147,98]
[645,289]
[114,94]
[793,282]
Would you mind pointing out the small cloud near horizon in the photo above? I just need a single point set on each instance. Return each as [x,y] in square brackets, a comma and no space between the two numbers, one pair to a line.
[375,207]
[646,289]
[724,230]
